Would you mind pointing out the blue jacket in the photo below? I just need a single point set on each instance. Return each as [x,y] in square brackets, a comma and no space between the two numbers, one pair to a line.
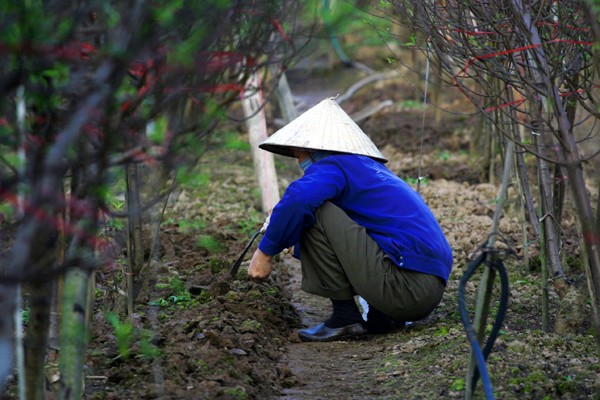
[392,212]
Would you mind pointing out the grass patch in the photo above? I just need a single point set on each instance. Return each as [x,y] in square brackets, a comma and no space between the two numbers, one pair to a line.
[209,243]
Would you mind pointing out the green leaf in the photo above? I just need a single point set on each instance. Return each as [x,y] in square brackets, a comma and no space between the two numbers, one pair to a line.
[458,385]
[165,13]
[157,130]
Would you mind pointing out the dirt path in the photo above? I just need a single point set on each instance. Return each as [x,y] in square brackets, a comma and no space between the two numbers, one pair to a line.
[341,369]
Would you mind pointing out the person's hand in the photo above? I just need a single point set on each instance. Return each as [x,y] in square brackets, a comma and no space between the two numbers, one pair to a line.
[260,266]
[289,250]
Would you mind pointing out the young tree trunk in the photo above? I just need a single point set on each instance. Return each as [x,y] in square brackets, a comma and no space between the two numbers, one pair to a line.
[73,337]
[545,278]
[74,322]
[525,196]
[547,219]
[481,144]
[44,257]
[135,245]
[436,93]
[588,228]
[37,338]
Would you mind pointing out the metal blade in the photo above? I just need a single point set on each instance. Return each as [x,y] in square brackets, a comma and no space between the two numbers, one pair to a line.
[236,266]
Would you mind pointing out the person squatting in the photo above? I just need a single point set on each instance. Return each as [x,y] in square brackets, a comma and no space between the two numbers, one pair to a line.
[357,228]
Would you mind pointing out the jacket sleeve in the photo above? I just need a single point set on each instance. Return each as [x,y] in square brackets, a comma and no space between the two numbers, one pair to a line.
[295,211]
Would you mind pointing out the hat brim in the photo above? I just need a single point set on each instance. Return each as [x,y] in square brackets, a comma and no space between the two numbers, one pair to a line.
[288,151]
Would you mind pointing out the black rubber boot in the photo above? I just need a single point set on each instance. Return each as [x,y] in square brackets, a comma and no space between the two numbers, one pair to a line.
[345,322]
[379,323]
[345,312]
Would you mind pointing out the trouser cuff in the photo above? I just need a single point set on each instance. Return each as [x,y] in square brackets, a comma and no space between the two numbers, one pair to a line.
[334,294]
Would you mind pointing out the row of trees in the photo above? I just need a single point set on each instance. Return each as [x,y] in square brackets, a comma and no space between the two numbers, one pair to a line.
[93,90]
[531,69]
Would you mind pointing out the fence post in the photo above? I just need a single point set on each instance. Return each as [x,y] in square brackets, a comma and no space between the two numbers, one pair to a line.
[264,164]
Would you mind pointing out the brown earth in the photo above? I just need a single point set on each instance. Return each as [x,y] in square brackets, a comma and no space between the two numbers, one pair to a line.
[200,335]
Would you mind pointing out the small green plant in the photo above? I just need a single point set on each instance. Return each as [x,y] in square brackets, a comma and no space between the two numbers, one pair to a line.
[116,224]
[203,367]
[162,285]
[444,155]
[216,265]
[204,297]
[158,303]
[238,393]
[411,105]
[179,295]
[123,333]
[568,384]
[443,331]
[251,325]
[25,315]
[250,224]
[192,179]
[234,142]
[177,285]
[190,226]
[415,181]
[117,204]
[458,385]
[180,298]
[147,349]
[7,210]
[209,243]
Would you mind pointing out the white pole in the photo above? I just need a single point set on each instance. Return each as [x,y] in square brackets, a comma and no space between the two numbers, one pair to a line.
[264,164]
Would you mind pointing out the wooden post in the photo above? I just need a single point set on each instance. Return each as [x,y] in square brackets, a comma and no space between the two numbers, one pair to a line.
[264,163]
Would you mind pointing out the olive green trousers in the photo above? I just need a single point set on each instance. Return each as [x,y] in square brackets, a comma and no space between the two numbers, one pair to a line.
[340,260]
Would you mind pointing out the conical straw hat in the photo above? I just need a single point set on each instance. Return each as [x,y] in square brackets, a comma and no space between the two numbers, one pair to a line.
[323,127]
